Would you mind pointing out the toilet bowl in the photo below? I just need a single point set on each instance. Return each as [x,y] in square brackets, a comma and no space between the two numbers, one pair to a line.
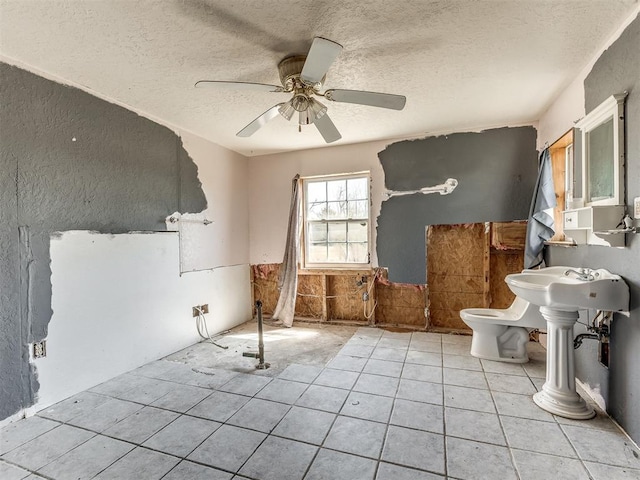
[502,334]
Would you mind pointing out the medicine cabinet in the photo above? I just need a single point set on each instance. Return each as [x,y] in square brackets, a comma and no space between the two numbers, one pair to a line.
[600,166]
[602,132]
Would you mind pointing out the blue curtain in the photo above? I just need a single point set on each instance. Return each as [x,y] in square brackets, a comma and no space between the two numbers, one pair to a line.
[540,227]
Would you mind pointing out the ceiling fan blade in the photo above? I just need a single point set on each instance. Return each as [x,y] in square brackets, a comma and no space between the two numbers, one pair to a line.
[262,87]
[327,129]
[373,99]
[320,57]
[259,122]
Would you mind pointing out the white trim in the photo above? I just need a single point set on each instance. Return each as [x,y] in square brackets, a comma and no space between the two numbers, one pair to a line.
[304,263]
[611,109]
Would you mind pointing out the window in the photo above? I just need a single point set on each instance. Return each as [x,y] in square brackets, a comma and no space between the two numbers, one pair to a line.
[336,221]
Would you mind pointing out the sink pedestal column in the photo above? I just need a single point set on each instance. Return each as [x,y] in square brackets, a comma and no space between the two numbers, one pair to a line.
[558,395]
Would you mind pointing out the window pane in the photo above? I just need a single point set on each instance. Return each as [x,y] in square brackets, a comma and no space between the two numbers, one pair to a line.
[317,211]
[317,232]
[337,190]
[316,192]
[358,209]
[337,252]
[358,253]
[336,210]
[357,189]
[317,253]
[357,232]
[337,232]
[329,204]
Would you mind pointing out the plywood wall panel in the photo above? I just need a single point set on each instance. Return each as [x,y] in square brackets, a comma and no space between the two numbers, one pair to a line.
[265,285]
[310,296]
[455,271]
[504,263]
[448,283]
[455,249]
[401,316]
[446,320]
[401,304]
[508,235]
[454,301]
[344,300]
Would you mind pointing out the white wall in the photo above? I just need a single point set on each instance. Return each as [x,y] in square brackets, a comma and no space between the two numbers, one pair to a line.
[120,301]
[223,174]
[562,114]
[270,191]
[569,107]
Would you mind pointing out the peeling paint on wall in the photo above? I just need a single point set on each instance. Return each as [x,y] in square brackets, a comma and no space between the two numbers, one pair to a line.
[75,162]
[496,173]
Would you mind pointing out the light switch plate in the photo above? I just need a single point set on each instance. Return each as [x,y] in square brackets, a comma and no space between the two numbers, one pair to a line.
[636,207]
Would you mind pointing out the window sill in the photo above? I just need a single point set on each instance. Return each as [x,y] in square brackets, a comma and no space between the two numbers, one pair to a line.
[335,271]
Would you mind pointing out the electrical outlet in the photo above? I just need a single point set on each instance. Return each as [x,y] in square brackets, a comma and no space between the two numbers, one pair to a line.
[200,309]
[40,349]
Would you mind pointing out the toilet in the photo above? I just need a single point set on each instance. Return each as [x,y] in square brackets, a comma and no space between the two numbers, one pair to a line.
[502,334]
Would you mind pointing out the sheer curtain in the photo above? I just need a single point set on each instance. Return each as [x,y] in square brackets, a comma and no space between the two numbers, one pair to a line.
[288,277]
[540,227]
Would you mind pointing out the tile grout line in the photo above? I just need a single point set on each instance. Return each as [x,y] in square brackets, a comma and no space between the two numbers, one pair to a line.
[504,433]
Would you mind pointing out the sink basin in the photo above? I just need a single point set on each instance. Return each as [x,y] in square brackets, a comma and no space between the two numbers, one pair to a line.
[552,287]
[560,292]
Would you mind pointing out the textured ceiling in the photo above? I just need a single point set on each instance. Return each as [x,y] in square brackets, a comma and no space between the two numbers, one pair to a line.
[461,64]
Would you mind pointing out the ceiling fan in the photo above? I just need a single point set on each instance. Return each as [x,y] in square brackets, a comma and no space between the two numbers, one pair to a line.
[303,76]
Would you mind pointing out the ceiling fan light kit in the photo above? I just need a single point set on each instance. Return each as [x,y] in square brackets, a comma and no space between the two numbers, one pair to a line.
[304,76]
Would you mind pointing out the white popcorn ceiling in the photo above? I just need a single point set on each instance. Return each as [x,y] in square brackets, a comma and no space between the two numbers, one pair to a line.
[463,65]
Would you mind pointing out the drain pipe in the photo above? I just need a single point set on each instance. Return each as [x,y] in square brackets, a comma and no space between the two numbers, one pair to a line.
[260,355]
[577,342]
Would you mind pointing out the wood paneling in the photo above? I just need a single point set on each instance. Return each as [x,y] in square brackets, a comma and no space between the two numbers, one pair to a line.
[401,304]
[344,298]
[504,262]
[309,303]
[457,257]
[265,285]
[466,267]
[508,235]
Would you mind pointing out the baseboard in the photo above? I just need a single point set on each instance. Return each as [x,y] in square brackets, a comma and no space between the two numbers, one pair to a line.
[24,413]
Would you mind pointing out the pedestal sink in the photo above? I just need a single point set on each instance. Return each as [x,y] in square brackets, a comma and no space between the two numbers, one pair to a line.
[561,292]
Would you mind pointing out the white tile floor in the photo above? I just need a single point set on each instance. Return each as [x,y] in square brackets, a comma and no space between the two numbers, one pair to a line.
[389,406]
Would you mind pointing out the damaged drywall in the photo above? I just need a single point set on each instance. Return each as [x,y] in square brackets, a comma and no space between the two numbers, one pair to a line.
[70,161]
[495,172]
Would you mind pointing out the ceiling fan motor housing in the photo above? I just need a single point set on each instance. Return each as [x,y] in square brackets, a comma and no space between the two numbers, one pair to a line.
[290,68]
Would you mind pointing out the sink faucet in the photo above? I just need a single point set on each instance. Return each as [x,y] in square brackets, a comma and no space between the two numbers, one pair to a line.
[583,274]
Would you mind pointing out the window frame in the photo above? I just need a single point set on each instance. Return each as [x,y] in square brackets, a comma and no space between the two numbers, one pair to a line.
[304,261]
[612,109]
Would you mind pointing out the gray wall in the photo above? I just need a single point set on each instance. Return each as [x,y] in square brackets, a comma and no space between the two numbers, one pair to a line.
[617,70]
[496,172]
[121,173]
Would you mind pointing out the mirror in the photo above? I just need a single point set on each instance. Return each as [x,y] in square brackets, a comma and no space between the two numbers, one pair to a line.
[602,132]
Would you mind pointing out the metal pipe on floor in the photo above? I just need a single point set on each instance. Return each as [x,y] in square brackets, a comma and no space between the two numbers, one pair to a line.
[262,365]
